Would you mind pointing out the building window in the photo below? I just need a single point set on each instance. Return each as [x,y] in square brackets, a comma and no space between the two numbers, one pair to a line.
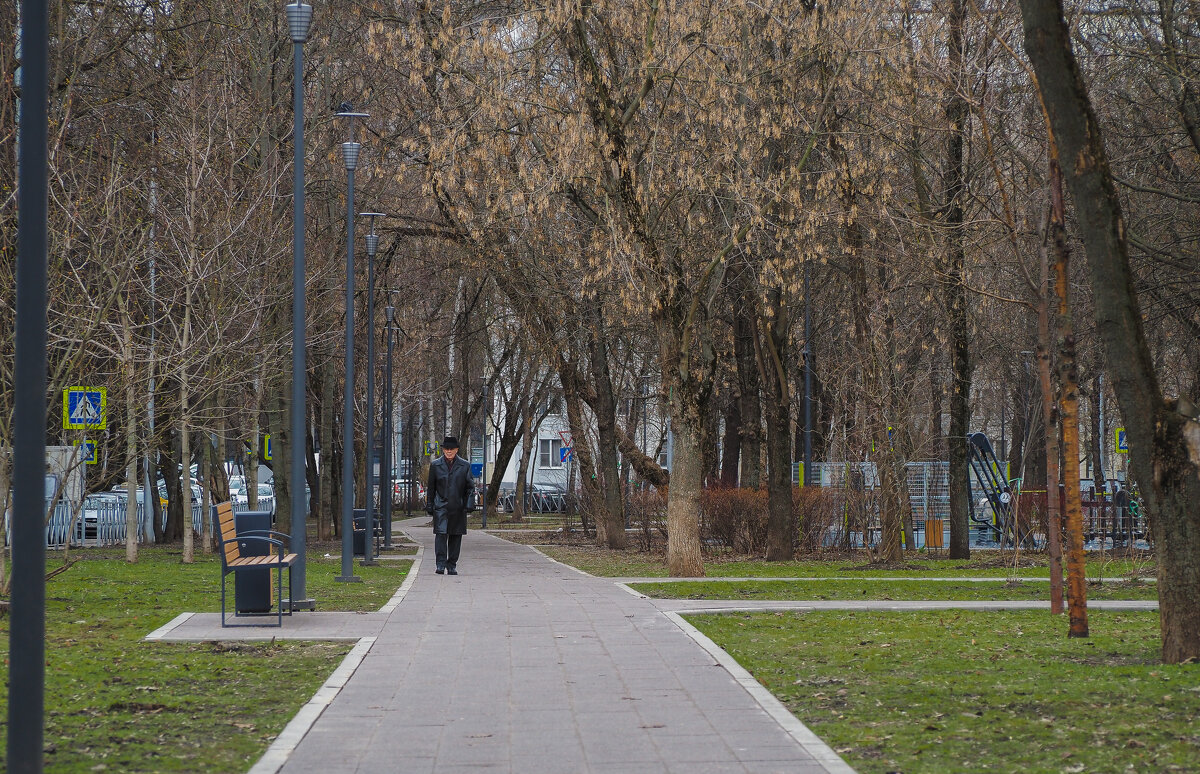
[550,453]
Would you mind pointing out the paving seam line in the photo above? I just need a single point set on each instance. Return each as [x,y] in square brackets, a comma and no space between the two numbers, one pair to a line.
[626,587]
[413,570]
[166,628]
[281,749]
[811,743]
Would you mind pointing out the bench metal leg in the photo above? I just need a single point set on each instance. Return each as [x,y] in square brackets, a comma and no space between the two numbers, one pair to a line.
[223,574]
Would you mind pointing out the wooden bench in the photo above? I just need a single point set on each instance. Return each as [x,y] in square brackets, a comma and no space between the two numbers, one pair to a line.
[232,559]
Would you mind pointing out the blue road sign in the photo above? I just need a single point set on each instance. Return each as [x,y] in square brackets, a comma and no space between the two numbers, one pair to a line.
[565,454]
[85,408]
[89,451]
[1122,441]
[476,469]
[268,449]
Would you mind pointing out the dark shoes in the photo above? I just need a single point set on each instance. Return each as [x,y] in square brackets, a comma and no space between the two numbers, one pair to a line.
[452,572]
[439,571]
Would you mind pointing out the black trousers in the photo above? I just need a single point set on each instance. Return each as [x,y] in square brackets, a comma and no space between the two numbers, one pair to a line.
[447,548]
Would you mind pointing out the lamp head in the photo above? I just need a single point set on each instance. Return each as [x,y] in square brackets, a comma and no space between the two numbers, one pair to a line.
[299,19]
[390,313]
[372,239]
[350,148]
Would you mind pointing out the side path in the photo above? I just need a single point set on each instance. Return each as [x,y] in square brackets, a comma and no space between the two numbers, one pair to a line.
[524,665]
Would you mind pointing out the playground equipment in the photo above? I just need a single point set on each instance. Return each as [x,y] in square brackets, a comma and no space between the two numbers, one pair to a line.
[998,494]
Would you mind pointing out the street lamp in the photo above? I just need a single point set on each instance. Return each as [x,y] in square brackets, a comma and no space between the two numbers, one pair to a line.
[389,312]
[372,240]
[487,410]
[299,18]
[27,627]
[350,151]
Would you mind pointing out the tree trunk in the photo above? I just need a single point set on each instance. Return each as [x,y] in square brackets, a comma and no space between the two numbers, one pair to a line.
[185,455]
[611,532]
[219,478]
[1069,378]
[772,357]
[731,442]
[167,529]
[1164,441]
[643,464]
[278,402]
[522,485]
[683,501]
[1050,420]
[956,293]
[750,409]
[1099,480]
[687,387]
[255,450]
[325,508]
[131,483]
[205,479]
[592,495]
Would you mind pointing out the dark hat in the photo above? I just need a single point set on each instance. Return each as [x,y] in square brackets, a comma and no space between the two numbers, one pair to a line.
[449,442]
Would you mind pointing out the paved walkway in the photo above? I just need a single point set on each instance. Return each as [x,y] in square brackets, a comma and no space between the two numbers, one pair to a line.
[524,665]
[521,664]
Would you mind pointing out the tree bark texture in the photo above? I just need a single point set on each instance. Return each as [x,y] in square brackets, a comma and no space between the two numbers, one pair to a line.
[324,492]
[956,291]
[731,442]
[605,409]
[750,409]
[1164,443]
[1068,372]
[772,350]
[1050,420]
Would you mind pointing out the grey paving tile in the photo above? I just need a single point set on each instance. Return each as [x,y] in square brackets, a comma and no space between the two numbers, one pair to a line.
[520,665]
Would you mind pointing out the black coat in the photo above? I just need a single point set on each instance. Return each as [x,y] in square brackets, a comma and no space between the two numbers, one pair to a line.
[450,495]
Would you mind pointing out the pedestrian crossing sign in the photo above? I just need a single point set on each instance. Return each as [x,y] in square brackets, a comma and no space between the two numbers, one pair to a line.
[1122,441]
[88,449]
[268,451]
[85,408]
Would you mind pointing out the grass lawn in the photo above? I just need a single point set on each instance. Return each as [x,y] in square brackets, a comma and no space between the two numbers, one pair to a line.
[502,521]
[116,703]
[975,691]
[884,590]
[633,564]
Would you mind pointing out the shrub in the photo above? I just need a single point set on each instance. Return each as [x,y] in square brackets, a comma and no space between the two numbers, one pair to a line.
[735,519]
[647,511]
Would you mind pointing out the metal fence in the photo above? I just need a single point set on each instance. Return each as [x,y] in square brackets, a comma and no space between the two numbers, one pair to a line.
[928,495]
[100,520]
[535,502]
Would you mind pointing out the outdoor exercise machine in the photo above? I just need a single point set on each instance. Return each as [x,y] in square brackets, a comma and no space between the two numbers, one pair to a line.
[998,492]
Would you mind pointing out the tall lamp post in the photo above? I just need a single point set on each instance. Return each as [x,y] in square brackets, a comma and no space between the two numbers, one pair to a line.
[27,629]
[299,18]
[389,312]
[350,151]
[372,240]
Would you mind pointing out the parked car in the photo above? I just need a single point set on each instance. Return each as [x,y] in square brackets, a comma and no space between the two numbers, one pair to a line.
[400,488]
[266,497]
[101,507]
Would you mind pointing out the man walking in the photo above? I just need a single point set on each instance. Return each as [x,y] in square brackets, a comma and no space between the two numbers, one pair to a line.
[450,496]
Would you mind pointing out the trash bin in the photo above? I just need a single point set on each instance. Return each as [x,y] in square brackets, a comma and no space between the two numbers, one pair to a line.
[360,531]
[252,585]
